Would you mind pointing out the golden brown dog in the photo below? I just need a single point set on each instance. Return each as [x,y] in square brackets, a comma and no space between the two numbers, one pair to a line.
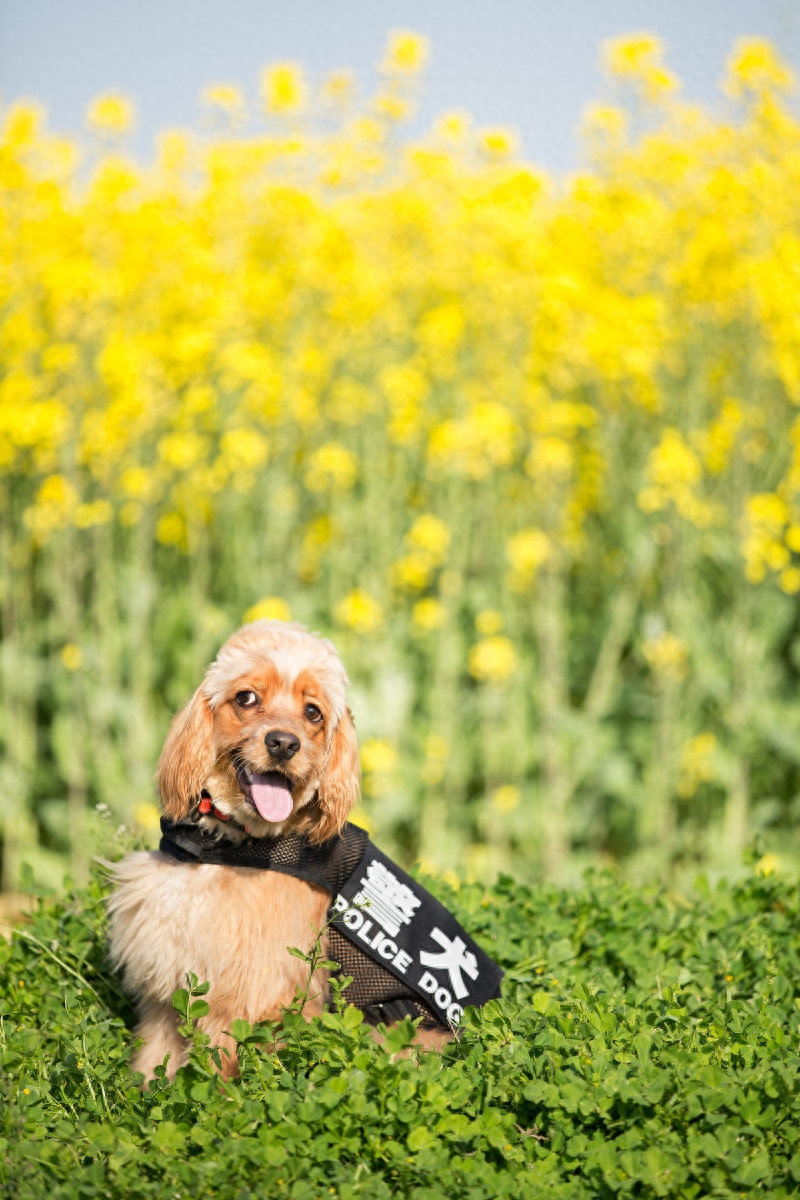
[268,736]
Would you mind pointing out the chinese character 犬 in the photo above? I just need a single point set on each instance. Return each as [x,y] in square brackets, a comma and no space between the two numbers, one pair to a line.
[455,959]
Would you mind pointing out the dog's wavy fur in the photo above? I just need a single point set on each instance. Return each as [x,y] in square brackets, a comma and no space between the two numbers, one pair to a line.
[232,925]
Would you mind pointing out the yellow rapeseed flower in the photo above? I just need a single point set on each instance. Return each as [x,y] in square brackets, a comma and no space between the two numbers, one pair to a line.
[138,483]
[146,815]
[171,530]
[437,749]
[97,512]
[338,88]
[768,864]
[755,66]
[359,611]
[675,472]
[492,659]
[605,124]
[271,608]
[697,764]
[498,143]
[332,467]
[789,580]
[182,451]
[23,125]
[436,746]
[406,388]
[283,88]
[550,460]
[763,546]
[506,798]
[56,502]
[489,621]
[453,126]
[317,536]
[428,614]
[111,113]
[632,54]
[473,445]
[378,756]
[428,539]
[526,552]
[431,535]
[637,59]
[72,656]
[406,53]
[412,572]
[666,655]
[378,762]
[226,98]
[244,449]
[391,106]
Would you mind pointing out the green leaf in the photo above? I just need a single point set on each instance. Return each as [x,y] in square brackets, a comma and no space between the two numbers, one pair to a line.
[180,1001]
[399,1037]
[754,1170]
[169,1137]
[794,1167]
[641,1044]
[274,1154]
[456,1126]
[352,1017]
[420,1139]
[101,1137]
[560,951]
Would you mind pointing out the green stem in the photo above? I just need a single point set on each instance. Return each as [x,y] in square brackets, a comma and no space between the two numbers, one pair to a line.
[737,804]
[555,775]
[18,688]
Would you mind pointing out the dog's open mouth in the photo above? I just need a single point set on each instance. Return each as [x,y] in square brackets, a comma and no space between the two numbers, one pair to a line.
[269,792]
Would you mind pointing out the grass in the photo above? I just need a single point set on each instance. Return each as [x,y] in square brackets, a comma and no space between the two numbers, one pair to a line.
[646,1045]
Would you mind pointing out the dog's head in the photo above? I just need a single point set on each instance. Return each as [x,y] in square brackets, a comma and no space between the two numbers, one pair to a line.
[268,735]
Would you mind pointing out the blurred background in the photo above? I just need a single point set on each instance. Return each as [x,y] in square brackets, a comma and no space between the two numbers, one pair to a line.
[467,337]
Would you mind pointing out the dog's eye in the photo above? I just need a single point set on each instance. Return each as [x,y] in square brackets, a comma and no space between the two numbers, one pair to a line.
[313,713]
[246,699]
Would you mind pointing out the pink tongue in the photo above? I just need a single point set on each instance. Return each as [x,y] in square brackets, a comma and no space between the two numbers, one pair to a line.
[273,800]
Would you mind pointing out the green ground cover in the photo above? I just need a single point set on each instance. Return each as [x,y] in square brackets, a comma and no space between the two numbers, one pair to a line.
[646,1045]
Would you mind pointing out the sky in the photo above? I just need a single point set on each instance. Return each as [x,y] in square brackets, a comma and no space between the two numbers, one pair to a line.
[532,65]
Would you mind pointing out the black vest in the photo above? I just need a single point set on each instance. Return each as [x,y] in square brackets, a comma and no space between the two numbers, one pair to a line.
[407,955]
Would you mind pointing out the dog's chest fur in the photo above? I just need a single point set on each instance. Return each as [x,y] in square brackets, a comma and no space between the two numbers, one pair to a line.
[229,925]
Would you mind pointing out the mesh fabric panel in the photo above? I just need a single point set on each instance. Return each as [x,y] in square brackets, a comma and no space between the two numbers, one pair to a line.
[374,987]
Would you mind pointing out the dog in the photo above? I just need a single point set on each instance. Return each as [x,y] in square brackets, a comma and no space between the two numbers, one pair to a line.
[269,743]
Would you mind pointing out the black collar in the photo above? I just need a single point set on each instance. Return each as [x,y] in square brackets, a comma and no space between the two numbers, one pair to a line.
[329,865]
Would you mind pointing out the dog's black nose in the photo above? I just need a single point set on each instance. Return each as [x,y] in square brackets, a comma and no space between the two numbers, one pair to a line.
[282,745]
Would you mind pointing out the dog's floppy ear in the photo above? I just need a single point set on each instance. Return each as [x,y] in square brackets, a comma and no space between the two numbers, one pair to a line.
[187,758]
[340,786]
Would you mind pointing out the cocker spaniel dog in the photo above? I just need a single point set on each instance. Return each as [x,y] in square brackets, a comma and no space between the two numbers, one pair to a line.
[268,741]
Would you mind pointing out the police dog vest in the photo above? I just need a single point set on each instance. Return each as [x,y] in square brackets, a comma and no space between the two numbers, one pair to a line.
[406,953]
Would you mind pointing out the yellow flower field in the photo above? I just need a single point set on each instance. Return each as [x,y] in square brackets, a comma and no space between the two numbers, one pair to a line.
[527,448]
